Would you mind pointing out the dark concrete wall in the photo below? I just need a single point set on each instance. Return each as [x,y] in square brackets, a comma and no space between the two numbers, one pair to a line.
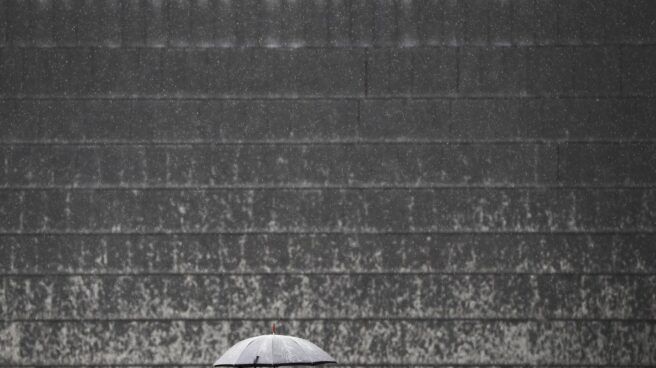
[410,182]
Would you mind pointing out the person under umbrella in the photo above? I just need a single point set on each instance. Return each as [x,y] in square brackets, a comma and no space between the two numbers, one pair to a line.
[273,351]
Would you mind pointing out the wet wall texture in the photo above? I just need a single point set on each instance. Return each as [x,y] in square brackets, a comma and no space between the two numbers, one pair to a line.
[404,183]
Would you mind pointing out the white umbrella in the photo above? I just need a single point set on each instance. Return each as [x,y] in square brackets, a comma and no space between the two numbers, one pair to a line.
[272,351]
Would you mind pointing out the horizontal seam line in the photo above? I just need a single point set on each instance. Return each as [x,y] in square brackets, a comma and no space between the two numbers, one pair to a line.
[403,97]
[346,232]
[410,141]
[371,96]
[560,233]
[64,274]
[99,45]
[390,318]
[317,235]
[146,187]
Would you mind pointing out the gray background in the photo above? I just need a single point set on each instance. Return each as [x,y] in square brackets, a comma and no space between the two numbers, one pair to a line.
[413,182]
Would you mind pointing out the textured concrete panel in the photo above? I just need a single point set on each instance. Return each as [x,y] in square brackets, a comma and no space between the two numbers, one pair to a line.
[509,119]
[326,120]
[173,72]
[304,165]
[328,210]
[178,120]
[183,296]
[603,163]
[334,253]
[330,296]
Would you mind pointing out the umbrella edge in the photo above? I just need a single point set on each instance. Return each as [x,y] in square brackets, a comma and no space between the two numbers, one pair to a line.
[275,365]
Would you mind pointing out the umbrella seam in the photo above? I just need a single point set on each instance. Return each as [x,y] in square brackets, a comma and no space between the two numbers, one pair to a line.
[296,339]
[299,345]
[272,354]
[242,351]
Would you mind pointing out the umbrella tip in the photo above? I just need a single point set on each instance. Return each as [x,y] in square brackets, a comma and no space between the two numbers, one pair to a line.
[273,328]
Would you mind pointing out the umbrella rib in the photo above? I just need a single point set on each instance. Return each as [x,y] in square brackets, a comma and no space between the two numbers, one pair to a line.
[242,351]
[273,356]
[299,345]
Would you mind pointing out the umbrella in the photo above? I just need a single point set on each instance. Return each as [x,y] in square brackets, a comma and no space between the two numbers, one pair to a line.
[272,351]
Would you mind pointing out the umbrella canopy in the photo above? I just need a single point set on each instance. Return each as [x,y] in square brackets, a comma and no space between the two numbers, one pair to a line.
[272,351]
